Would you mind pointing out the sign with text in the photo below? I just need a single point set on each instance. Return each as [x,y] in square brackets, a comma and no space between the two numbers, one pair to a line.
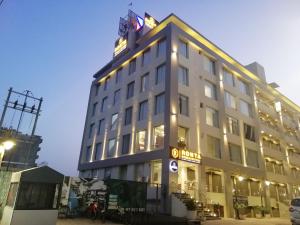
[150,21]
[120,45]
[185,155]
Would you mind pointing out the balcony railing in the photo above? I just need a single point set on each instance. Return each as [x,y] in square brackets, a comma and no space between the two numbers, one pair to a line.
[215,189]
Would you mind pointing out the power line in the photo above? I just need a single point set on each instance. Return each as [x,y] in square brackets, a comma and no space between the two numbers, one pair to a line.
[1,2]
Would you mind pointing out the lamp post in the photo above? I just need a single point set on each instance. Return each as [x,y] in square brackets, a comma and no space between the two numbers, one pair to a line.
[5,146]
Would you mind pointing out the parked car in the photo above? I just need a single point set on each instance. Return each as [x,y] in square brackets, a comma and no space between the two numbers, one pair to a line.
[295,211]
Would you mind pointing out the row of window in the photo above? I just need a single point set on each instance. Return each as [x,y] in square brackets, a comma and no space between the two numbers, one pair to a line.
[209,66]
[146,60]
[140,144]
[235,152]
[144,86]
[159,108]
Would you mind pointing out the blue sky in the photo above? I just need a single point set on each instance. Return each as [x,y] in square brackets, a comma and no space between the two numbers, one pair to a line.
[54,47]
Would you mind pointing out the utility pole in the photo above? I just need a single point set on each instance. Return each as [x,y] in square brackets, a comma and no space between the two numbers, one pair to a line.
[5,107]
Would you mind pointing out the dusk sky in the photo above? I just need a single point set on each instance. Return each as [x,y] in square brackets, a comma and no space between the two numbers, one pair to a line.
[54,47]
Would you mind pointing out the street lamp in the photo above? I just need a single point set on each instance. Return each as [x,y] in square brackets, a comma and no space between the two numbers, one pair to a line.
[5,146]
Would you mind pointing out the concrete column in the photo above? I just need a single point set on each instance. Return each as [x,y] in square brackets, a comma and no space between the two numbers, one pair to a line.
[228,194]
[267,196]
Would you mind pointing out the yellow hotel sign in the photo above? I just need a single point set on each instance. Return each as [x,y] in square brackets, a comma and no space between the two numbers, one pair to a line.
[185,155]
[120,45]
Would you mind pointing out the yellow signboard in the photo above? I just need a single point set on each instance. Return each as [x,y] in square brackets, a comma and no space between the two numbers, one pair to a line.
[185,155]
[120,45]
[150,21]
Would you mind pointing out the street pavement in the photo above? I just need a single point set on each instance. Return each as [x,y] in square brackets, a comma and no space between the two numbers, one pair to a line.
[80,221]
[249,221]
[272,221]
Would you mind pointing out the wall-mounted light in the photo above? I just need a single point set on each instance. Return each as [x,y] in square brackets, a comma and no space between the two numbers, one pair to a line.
[267,182]
[277,106]
[240,178]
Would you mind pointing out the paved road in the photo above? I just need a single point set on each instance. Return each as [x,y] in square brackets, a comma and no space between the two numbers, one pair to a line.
[273,221]
[216,222]
[80,221]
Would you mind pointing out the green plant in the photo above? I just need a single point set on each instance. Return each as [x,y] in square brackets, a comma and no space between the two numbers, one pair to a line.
[191,205]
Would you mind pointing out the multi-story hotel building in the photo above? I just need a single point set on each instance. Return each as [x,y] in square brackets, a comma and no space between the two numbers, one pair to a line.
[169,94]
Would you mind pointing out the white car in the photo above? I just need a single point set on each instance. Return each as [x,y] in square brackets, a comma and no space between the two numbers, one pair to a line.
[295,211]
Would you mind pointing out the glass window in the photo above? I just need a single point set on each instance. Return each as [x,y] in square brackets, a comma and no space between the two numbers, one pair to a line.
[254,188]
[249,132]
[101,127]
[278,168]
[230,100]
[114,121]
[213,147]
[212,117]
[91,130]
[252,158]
[139,172]
[111,148]
[156,168]
[210,90]
[161,48]
[128,116]
[244,87]
[160,74]
[183,77]
[104,104]
[119,76]
[146,57]
[132,66]
[158,136]
[97,87]
[98,152]
[245,108]
[183,105]
[182,137]
[126,144]
[159,103]
[228,77]
[269,166]
[141,140]
[232,125]
[235,153]
[117,96]
[145,82]
[94,108]
[88,153]
[209,65]
[143,110]
[183,48]
[130,90]
[123,172]
[106,83]
[107,173]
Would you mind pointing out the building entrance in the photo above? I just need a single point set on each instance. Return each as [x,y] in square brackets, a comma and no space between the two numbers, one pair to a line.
[187,181]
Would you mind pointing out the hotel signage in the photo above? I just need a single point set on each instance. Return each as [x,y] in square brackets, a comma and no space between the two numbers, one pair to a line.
[173,166]
[120,45]
[150,21]
[185,155]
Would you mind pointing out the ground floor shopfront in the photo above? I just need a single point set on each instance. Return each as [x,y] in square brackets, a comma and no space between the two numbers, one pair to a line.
[219,186]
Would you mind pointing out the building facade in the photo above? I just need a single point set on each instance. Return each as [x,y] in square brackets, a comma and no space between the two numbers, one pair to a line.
[174,109]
